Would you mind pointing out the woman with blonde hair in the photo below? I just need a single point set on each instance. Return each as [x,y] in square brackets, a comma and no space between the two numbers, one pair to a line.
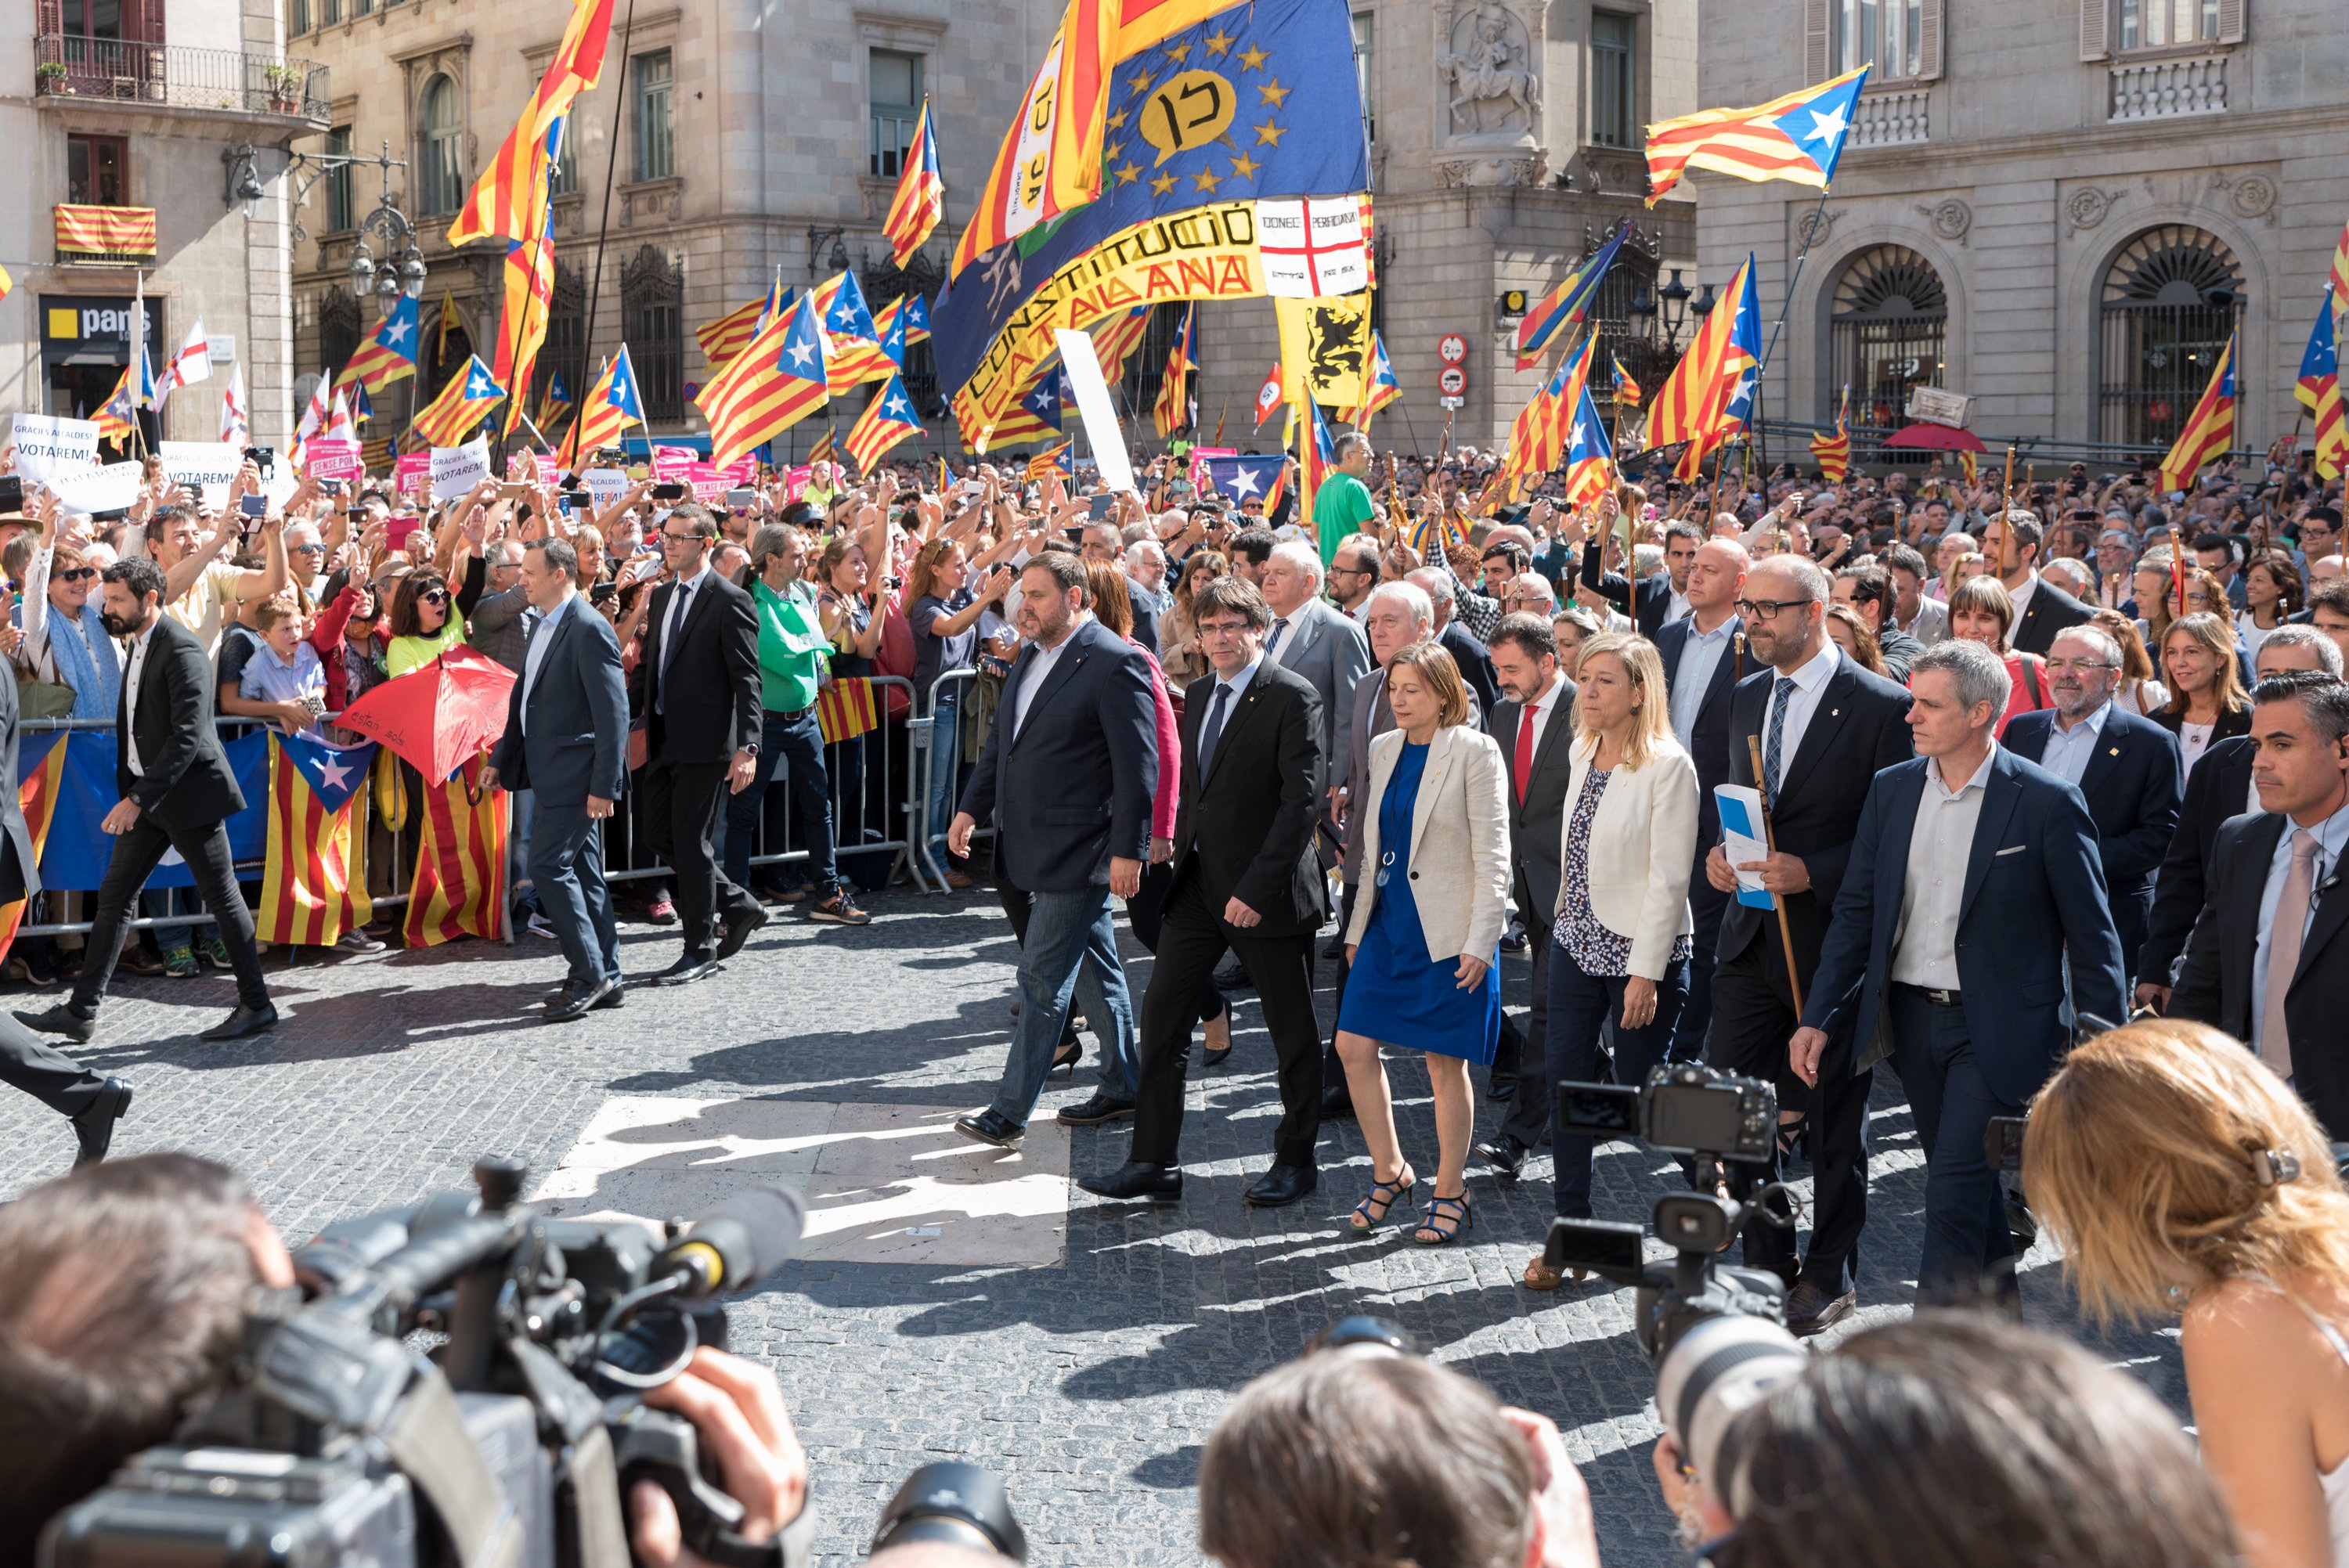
[1850,634]
[2207,701]
[1427,933]
[1178,634]
[2182,1177]
[1619,938]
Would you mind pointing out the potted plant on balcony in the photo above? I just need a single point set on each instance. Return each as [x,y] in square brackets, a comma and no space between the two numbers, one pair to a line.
[50,75]
[285,84]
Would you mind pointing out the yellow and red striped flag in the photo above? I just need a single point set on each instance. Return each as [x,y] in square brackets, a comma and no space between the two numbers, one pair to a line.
[775,383]
[888,419]
[2210,429]
[1693,405]
[38,796]
[2338,279]
[844,709]
[921,198]
[461,862]
[827,449]
[612,405]
[851,344]
[114,417]
[1834,450]
[315,888]
[529,276]
[1379,384]
[1797,138]
[1627,391]
[1115,338]
[462,403]
[6,283]
[2319,389]
[1061,460]
[1172,410]
[507,198]
[912,311]
[730,334]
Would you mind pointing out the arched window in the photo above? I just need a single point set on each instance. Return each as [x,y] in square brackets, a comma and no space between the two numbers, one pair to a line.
[338,327]
[442,155]
[1889,331]
[652,289]
[2171,298]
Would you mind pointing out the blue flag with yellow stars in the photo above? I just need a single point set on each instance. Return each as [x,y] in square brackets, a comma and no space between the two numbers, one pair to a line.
[1243,105]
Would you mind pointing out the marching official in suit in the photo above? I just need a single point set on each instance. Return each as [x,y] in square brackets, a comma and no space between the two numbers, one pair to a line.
[2125,767]
[178,793]
[566,741]
[1825,727]
[93,1102]
[1652,602]
[697,691]
[1535,729]
[1244,877]
[1974,881]
[2042,609]
[2269,959]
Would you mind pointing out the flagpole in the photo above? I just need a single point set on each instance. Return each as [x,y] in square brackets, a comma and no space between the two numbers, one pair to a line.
[1810,233]
[604,225]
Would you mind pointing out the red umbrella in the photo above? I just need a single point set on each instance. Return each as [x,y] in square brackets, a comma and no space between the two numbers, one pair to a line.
[439,715]
[1940,438]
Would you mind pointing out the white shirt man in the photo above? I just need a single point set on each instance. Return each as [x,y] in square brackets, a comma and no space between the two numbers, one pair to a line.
[1040,669]
[1925,945]
[534,658]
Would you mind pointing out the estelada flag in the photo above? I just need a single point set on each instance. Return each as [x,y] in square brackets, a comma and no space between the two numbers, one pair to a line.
[1627,391]
[1061,459]
[1833,450]
[844,709]
[389,354]
[38,793]
[505,199]
[886,420]
[1116,337]
[2210,429]
[921,198]
[1797,138]
[852,352]
[461,862]
[909,313]
[315,885]
[1173,411]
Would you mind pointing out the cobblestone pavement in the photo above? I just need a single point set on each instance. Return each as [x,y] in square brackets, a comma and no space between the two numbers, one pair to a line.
[1091,1385]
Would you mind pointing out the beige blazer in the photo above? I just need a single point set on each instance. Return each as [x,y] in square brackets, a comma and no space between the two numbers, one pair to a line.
[1459,842]
[1641,846]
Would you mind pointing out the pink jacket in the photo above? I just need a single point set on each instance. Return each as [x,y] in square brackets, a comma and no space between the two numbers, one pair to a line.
[1170,752]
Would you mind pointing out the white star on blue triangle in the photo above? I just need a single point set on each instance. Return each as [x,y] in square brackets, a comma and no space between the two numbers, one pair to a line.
[481,383]
[1243,483]
[1818,125]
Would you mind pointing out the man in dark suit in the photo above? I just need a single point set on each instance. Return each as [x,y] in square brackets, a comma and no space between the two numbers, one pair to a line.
[1244,876]
[1825,727]
[2125,767]
[566,741]
[697,692]
[93,1103]
[2040,608]
[1704,657]
[1534,729]
[1652,602]
[2269,959]
[1067,777]
[1974,882]
[1453,635]
[178,793]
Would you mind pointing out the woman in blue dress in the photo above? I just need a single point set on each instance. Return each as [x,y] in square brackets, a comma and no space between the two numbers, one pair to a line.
[1426,930]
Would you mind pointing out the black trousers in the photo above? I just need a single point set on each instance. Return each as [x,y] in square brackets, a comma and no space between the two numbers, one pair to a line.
[137,850]
[1191,941]
[1333,1071]
[1146,911]
[1707,904]
[1753,1014]
[1968,1256]
[682,801]
[1528,1117]
[49,1074]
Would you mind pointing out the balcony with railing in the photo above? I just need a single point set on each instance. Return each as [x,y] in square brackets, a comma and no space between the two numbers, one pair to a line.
[74,65]
[2166,89]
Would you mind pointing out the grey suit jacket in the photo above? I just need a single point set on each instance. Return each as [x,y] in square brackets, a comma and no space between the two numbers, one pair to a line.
[1932,622]
[1331,653]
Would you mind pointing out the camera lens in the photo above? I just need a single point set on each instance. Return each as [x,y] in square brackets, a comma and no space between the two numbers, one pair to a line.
[1721,1368]
[957,1503]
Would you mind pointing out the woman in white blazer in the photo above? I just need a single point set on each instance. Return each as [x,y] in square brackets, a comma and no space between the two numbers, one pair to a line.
[1619,938]
[1426,930]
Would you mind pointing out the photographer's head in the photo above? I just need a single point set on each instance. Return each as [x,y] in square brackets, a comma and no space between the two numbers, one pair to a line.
[120,1311]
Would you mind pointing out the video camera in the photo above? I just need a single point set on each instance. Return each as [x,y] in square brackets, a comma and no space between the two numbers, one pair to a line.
[508,1445]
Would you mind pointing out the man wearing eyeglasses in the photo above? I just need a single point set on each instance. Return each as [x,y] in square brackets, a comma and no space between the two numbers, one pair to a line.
[2125,766]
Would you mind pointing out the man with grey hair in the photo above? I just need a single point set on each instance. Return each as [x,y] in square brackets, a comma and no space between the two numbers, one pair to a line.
[1974,893]
[496,626]
[2125,767]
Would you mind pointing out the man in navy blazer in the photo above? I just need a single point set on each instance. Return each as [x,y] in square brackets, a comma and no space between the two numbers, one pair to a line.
[1974,876]
[2124,766]
[1067,777]
[566,742]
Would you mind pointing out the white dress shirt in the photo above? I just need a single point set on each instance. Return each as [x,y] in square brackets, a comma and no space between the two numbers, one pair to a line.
[1925,944]
[131,673]
[1539,711]
[2069,751]
[2332,837]
[2020,598]
[534,658]
[1700,658]
[1810,685]
[680,600]
[1040,670]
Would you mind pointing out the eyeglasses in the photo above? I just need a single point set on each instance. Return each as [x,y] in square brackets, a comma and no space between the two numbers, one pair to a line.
[307,549]
[2083,666]
[433,596]
[1220,629]
[1768,609]
[681,538]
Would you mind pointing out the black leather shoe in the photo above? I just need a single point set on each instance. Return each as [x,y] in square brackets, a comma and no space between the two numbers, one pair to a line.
[1100,1108]
[574,1001]
[1137,1179]
[1810,1310]
[244,1022]
[1502,1086]
[1232,975]
[986,1127]
[61,1019]
[1504,1154]
[686,971]
[2020,1224]
[95,1127]
[615,994]
[1281,1185]
[738,929]
[1337,1104]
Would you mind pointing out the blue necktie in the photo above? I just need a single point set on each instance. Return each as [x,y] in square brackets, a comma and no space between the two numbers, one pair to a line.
[1273,643]
[1211,729]
[1782,698]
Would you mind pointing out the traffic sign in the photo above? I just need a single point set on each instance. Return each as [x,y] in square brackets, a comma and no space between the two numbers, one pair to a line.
[1452,381]
[1451,402]
[1452,348]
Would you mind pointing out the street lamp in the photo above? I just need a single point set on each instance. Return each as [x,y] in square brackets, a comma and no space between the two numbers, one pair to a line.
[402,270]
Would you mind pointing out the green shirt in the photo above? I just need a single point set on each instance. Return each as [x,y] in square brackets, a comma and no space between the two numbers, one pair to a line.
[409,653]
[792,648]
[1341,507]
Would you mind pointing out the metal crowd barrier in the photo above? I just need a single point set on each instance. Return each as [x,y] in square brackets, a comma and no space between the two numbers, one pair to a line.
[926,753]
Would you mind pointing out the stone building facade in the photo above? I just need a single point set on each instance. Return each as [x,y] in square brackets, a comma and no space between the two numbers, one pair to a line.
[2062,210]
[186,110]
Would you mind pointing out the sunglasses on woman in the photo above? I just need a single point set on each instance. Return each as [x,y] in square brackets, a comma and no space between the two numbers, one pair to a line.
[78,573]
[433,596]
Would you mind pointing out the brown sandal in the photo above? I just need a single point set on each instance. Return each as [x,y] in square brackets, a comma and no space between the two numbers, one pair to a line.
[1539,1275]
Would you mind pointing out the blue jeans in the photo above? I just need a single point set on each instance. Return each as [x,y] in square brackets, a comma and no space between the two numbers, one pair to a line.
[1968,1247]
[946,769]
[522,804]
[793,747]
[1069,950]
[1580,1004]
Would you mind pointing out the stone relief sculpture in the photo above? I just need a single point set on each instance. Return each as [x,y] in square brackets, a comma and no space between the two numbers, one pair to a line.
[1495,90]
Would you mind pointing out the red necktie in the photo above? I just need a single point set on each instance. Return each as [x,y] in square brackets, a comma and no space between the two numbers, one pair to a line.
[1525,766]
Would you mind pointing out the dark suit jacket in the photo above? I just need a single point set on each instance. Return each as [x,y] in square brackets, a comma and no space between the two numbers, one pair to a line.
[1537,823]
[1709,737]
[2034,893]
[713,706]
[1648,602]
[1475,662]
[1257,803]
[577,742]
[2219,790]
[2131,787]
[2050,611]
[1074,787]
[2214,983]
[2229,727]
[1861,727]
[20,869]
[188,782]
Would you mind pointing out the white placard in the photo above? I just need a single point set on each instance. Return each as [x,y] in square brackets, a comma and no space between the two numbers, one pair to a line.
[457,470]
[1312,246]
[1099,413]
[605,486]
[280,483]
[50,447]
[205,467]
[1745,840]
[222,347]
[93,490]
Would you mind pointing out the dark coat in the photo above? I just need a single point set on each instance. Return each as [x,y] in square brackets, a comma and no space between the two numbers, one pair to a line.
[578,741]
[188,783]
[1475,662]
[20,868]
[1245,831]
[2131,787]
[1709,737]
[2219,790]
[1537,823]
[1646,602]
[2050,612]
[713,706]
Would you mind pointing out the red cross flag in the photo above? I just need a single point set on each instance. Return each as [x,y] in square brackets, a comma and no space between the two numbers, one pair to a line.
[1312,246]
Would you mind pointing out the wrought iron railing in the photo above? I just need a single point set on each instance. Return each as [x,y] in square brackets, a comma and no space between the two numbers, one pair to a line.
[71,65]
